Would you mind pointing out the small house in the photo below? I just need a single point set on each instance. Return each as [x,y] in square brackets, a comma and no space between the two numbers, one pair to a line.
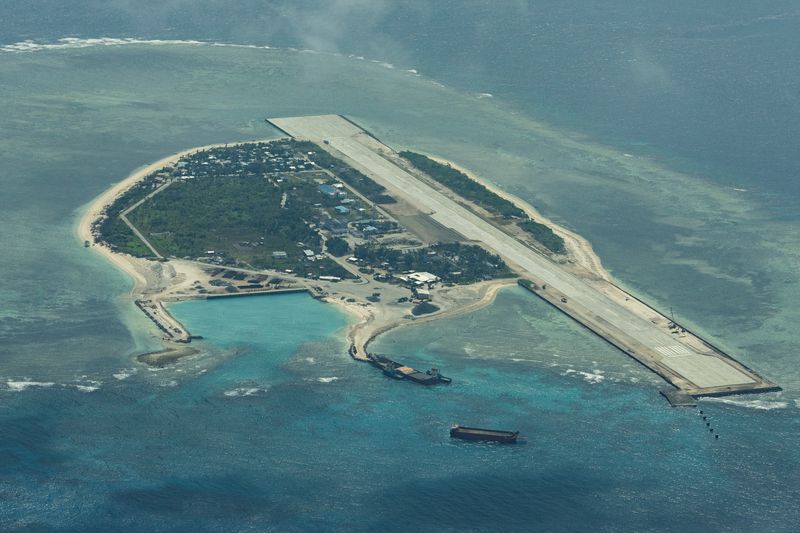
[327,190]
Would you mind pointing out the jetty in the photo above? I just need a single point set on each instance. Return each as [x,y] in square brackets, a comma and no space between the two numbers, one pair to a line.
[689,363]
[170,326]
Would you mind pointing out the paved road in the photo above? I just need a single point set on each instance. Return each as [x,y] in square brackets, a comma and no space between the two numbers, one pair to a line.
[374,159]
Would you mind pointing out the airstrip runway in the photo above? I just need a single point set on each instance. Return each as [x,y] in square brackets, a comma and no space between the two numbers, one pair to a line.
[686,361]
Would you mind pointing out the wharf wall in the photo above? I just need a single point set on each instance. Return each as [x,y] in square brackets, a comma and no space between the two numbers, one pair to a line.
[154,311]
[759,385]
[255,293]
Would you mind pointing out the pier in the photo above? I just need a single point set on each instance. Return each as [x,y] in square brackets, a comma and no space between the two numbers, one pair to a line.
[256,292]
[692,365]
[173,330]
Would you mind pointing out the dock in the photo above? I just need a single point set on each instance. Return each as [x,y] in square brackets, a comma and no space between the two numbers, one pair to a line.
[175,331]
[256,292]
[172,329]
[690,364]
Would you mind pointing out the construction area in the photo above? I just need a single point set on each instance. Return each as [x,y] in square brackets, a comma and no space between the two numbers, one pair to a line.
[689,363]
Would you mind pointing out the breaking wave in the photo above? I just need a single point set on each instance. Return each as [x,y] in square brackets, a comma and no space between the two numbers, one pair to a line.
[26,384]
[124,374]
[242,391]
[763,405]
[67,43]
[589,377]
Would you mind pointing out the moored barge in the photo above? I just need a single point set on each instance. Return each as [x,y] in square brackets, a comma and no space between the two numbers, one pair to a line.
[396,370]
[478,434]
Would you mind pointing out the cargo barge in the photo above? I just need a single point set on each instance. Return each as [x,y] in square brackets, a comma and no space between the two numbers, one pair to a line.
[396,370]
[486,435]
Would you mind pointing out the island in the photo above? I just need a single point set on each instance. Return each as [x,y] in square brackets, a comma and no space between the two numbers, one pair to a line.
[395,238]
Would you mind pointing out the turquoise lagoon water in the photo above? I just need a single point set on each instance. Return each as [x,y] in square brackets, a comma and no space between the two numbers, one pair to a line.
[278,429]
[273,426]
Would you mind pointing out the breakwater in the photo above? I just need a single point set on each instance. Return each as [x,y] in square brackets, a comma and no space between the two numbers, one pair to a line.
[653,359]
[174,330]
[683,359]
[263,292]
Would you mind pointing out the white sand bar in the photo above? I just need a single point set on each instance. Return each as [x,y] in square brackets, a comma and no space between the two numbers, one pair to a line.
[702,370]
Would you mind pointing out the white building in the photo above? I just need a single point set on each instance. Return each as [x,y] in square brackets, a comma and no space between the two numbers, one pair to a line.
[423,277]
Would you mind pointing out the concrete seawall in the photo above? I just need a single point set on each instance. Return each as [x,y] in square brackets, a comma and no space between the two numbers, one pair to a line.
[649,360]
[174,330]
[683,359]
[254,293]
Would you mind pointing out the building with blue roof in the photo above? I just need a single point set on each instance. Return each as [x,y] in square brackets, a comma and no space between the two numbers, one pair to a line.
[328,190]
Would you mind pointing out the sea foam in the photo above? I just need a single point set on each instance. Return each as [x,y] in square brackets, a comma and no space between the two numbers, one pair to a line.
[124,374]
[242,391]
[22,385]
[762,405]
[594,377]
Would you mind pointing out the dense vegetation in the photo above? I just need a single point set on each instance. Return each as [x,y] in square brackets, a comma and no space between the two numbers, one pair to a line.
[244,204]
[337,246]
[461,184]
[544,235]
[125,241]
[424,308]
[244,160]
[240,217]
[475,192]
[114,232]
[452,262]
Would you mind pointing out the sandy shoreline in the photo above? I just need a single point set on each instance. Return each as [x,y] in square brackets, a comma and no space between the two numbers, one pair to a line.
[375,320]
[488,292]
[128,264]
[578,248]
[156,283]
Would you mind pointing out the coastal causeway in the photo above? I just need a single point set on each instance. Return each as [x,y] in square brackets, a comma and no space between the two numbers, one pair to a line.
[395,238]
[692,365]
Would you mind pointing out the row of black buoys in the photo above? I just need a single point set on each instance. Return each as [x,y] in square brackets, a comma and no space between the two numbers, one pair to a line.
[708,425]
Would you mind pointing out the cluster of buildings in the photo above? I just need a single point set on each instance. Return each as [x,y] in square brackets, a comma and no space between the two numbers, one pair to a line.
[348,208]
[243,160]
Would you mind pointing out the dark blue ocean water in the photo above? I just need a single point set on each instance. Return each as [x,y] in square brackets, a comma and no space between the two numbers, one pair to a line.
[285,432]
[663,132]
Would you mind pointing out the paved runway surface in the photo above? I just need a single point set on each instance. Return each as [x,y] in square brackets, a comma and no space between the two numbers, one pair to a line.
[637,335]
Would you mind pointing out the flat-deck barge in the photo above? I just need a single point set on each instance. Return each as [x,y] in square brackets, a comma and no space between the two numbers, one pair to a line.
[478,434]
[396,370]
